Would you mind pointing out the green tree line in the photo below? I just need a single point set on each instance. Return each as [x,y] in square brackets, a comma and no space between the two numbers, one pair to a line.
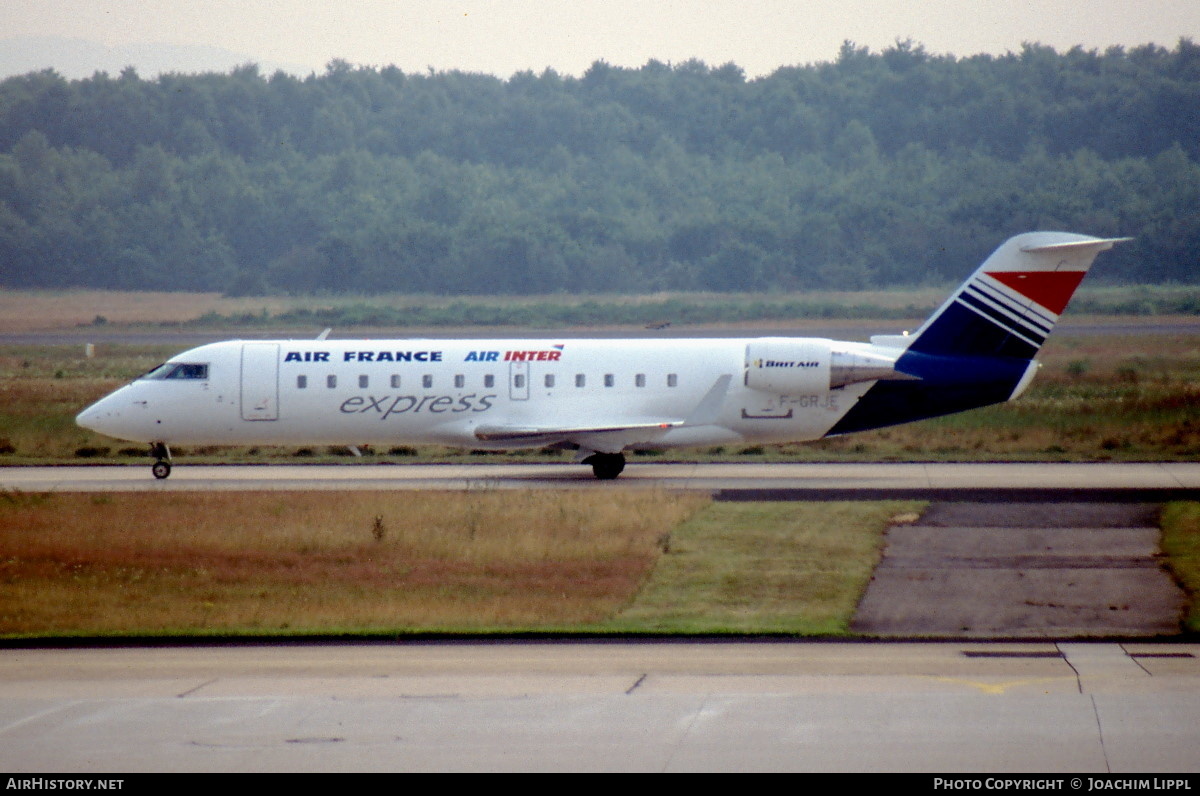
[876,169]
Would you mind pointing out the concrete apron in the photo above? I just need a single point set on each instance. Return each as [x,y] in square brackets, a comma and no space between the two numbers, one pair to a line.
[1023,570]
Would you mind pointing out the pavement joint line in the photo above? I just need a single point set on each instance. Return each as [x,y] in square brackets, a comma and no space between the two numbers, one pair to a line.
[190,691]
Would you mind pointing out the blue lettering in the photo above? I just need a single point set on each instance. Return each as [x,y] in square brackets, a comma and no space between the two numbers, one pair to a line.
[306,356]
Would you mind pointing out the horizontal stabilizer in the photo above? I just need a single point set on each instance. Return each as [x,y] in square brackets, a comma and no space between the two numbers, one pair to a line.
[1099,244]
[1012,302]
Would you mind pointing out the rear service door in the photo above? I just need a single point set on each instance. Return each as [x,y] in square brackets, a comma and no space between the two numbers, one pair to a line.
[260,381]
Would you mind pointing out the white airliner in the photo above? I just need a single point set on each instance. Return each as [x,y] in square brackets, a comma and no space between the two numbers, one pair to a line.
[603,397]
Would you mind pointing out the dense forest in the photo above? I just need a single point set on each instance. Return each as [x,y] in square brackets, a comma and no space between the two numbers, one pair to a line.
[876,169]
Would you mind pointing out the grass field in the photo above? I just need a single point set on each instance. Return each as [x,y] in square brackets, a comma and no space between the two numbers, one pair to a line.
[487,561]
[1181,544]
[26,311]
[306,563]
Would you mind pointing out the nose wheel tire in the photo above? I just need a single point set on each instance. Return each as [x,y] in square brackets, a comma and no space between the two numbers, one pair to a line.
[161,469]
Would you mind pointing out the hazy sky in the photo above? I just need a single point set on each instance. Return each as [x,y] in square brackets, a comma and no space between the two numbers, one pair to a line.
[506,36]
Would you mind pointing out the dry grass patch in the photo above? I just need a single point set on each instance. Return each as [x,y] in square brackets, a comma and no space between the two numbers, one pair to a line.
[325,562]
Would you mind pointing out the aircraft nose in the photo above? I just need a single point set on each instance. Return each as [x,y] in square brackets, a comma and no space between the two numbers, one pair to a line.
[108,416]
[93,417]
[86,418]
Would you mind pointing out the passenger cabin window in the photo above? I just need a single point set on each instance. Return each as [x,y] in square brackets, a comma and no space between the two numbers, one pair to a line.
[459,381]
[549,379]
[672,380]
[363,381]
[640,380]
[427,381]
[489,380]
[609,380]
[580,380]
[301,382]
[395,381]
[331,381]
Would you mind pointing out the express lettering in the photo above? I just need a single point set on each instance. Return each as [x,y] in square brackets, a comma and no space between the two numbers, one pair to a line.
[386,406]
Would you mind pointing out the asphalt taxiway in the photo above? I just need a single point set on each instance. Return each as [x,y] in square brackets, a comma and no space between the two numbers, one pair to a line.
[1148,481]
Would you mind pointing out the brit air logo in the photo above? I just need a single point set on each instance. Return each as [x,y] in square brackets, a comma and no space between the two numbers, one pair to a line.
[777,363]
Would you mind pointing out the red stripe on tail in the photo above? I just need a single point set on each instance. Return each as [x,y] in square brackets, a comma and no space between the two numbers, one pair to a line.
[1051,289]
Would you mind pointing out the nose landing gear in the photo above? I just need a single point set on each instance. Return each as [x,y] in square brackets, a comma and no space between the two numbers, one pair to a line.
[162,464]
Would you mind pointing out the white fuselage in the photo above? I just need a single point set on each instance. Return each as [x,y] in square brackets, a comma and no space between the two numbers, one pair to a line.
[605,395]
[601,397]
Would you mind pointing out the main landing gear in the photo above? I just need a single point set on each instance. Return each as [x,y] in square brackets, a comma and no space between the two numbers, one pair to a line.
[606,466]
[162,460]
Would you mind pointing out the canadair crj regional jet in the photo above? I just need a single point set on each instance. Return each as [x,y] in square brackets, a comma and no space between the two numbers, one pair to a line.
[603,397]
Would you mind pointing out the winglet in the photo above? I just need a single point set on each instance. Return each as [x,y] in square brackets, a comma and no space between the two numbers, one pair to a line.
[709,408]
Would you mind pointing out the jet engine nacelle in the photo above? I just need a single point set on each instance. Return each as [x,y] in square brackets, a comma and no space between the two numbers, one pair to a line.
[802,366]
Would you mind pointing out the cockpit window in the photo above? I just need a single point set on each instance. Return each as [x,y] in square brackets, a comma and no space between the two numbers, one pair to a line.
[157,371]
[179,370]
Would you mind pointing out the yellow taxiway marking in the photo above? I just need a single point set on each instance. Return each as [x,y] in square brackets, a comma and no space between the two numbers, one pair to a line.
[1001,687]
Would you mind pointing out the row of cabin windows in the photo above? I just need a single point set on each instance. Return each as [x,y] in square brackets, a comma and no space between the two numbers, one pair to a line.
[489,381]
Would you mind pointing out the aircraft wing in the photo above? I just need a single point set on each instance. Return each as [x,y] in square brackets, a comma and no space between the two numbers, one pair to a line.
[704,413]
[556,433]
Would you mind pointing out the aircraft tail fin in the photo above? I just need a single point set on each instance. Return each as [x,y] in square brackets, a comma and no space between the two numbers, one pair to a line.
[1010,304]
